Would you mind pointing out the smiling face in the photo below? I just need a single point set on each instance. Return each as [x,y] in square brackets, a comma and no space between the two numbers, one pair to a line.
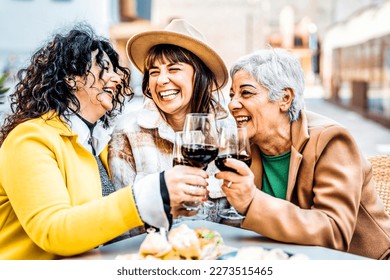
[171,87]
[95,94]
[251,107]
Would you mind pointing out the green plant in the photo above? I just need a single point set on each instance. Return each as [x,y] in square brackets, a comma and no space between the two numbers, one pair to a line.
[3,89]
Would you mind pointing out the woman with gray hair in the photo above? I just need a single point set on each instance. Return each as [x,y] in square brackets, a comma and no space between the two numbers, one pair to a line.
[308,183]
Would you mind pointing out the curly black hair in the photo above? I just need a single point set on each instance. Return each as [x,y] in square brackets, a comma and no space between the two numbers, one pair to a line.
[44,85]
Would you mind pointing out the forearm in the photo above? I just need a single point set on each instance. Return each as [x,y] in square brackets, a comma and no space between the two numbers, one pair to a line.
[153,201]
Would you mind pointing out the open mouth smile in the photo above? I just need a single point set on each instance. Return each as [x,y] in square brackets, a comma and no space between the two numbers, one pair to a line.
[241,120]
[169,94]
[109,90]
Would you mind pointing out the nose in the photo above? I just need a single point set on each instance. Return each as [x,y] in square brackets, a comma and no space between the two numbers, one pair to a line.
[234,104]
[163,78]
[114,77]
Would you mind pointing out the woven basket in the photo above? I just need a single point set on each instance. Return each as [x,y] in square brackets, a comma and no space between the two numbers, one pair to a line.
[381,172]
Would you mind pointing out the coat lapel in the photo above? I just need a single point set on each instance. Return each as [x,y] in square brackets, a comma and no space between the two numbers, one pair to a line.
[300,136]
[295,162]
[104,157]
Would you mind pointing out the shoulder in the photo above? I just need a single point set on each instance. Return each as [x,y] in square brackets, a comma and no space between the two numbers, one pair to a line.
[324,131]
[126,123]
[33,135]
[319,124]
[317,120]
[146,117]
[40,128]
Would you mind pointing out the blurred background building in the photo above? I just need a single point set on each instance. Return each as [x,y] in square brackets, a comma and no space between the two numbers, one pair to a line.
[344,45]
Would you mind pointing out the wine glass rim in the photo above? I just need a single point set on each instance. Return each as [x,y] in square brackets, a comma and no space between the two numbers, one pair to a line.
[199,114]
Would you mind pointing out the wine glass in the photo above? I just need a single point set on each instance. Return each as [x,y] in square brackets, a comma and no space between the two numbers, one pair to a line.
[200,142]
[178,159]
[233,143]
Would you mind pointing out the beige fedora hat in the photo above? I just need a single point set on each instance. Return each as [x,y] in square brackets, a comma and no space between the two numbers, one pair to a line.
[182,34]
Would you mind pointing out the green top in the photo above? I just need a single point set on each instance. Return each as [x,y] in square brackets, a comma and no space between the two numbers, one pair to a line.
[275,175]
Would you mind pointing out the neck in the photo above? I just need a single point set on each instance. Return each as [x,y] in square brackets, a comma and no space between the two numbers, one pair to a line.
[176,121]
[87,122]
[177,125]
[89,117]
[275,144]
[85,114]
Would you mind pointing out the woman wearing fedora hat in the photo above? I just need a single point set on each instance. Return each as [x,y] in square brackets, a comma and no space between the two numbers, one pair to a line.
[182,74]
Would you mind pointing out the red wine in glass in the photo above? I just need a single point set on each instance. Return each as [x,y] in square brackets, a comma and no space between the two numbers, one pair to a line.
[199,155]
[200,142]
[220,161]
[234,143]
[177,161]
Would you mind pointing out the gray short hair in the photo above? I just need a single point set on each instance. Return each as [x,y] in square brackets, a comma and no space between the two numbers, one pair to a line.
[276,70]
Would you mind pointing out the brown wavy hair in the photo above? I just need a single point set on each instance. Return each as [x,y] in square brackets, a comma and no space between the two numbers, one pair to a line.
[44,85]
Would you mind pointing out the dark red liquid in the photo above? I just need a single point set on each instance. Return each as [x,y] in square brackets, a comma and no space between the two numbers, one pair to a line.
[220,161]
[182,161]
[199,155]
[246,159]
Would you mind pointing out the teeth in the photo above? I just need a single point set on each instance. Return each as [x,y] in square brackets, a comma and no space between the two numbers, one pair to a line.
[168,92]
[242,119]
[109,90]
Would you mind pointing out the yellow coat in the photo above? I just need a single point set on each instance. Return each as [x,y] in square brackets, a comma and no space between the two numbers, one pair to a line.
[51,201]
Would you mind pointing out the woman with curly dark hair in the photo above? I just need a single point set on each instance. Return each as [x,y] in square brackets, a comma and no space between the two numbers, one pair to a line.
[56,196]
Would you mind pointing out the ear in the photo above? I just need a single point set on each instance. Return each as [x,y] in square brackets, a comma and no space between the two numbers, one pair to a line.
[286,100]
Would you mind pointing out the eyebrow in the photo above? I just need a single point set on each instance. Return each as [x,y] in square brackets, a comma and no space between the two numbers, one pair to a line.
[169,64]
[247,85]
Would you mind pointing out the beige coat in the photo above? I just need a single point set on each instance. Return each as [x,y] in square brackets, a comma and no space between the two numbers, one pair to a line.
[331,198]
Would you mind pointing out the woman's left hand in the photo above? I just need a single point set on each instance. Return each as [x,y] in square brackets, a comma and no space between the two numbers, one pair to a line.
[239,187]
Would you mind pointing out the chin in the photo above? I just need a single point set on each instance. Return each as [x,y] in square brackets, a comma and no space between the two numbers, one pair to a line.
[107,106]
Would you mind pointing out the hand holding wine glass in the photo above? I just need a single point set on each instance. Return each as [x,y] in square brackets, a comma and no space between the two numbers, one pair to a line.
[184,175]
[178,159]
[233,143]
[200,142]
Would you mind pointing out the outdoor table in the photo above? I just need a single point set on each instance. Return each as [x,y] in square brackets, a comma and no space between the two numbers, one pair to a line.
[232,236]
